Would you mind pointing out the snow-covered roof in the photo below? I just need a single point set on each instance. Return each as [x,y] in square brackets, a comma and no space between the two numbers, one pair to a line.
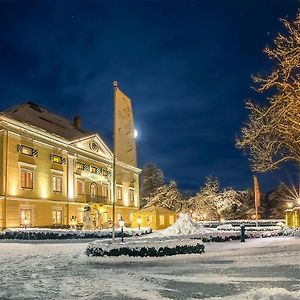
[35,115]
[157,209]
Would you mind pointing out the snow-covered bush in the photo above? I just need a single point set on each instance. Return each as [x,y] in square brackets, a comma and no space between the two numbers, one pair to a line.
[144,248]
[61,234]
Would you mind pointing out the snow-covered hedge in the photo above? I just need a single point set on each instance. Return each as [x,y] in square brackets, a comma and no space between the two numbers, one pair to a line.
[144,248]
[261,223]
[60,234]
[229,227]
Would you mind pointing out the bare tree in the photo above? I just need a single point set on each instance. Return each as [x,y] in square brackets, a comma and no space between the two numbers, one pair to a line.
[272,134]
[211,200]
[152,178]
[167,196]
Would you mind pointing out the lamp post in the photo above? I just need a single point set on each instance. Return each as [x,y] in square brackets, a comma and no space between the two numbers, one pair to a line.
[139,222]
[121,223]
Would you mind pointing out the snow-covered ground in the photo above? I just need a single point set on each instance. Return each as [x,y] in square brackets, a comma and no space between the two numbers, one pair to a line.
[266,268]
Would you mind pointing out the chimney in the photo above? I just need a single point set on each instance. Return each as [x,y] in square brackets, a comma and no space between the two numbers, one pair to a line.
[76,122]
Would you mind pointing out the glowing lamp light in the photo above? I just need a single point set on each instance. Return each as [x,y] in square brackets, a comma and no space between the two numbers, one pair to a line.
[290,204]
[298,200]
[139,221]
[135,133]
[121,222]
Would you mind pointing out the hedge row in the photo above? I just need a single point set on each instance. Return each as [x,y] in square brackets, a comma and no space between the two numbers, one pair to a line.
[50,234]
[144,251]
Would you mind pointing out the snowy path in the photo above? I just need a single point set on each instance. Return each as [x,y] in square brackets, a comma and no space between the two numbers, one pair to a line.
[58,270]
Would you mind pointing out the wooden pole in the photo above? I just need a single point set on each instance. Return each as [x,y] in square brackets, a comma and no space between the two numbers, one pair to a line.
[115,84]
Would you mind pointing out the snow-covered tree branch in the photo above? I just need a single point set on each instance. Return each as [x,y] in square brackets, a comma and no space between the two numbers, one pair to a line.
[272,134]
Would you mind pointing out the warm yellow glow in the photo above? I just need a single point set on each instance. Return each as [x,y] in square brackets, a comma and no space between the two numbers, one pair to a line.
[44,186]
[290,204]
[139,220]
[126,198]
[13,185]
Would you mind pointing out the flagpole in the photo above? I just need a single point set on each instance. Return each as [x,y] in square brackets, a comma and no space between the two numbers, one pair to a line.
[256,200]
[115,84]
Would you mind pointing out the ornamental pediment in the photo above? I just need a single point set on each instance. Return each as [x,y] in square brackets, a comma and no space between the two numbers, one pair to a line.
[93,144]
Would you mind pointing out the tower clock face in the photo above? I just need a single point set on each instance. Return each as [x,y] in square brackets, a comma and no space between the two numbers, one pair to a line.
[94,146]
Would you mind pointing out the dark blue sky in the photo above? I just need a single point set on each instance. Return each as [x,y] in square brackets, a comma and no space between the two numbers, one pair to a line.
[186,65]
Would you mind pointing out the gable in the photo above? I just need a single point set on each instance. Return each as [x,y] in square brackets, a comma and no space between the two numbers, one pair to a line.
[93,144]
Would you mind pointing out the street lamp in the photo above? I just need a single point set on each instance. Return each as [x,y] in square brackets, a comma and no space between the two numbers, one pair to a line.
[122,223]
[139,222]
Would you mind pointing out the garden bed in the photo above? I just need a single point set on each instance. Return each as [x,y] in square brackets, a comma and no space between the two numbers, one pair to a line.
[145,248]
[62,234]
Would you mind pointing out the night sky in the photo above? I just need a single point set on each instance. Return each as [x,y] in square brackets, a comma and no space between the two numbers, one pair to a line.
[185,65]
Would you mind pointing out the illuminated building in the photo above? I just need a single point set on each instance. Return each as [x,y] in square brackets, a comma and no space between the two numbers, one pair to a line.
[51,169]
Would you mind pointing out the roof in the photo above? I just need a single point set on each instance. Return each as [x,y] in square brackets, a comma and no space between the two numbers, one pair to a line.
[35,115]
[157,209]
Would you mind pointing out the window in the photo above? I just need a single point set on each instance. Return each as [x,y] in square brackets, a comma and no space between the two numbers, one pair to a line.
[56,217]
[119,193]
[26,179]
[80,187]
[93,190]
[104,172]
[131,195]
[105,190]
[25,217]
[171,220]
[27,150]
[80,166]
[57,183]
[161,220]
[57,159]
[93,169]
[79,216]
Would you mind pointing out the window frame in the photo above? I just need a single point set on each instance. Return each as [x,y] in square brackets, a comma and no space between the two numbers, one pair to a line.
[131,193]
[92,169]
[118,189]
[26,171]
[54,183]
[82,165]
[22,219]
[54,157]
[56,211]
[83,187]
[94,186]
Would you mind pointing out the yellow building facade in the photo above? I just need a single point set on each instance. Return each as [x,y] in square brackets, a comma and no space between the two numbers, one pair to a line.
[155,217]
[50,170]
[292,217]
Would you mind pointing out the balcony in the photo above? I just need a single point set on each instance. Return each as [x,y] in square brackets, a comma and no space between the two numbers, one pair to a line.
[97,199]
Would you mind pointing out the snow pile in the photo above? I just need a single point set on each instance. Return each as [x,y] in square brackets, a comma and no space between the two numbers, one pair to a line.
[184,226]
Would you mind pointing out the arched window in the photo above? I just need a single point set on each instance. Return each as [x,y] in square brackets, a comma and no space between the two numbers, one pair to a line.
[93,190]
